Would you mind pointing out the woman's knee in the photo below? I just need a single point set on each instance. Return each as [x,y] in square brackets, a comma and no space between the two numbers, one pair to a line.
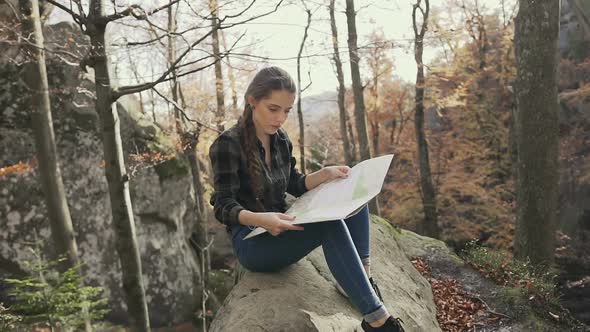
[362,213]
[333,226]
[263,265]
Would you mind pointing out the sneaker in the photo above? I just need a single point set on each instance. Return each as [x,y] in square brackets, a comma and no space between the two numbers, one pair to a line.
[390,325]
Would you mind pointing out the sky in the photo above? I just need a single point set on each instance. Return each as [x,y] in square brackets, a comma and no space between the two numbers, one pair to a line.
[283,41]
[279,36]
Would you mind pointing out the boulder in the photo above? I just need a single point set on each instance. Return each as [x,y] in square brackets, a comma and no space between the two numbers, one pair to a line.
[302,297]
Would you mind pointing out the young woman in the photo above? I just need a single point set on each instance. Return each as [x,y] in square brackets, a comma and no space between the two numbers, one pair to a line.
[253,168]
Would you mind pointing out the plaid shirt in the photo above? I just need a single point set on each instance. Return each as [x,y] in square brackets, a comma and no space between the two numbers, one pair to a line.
[231,180]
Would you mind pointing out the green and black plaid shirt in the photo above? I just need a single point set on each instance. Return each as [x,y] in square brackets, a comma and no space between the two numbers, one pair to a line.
[232,190]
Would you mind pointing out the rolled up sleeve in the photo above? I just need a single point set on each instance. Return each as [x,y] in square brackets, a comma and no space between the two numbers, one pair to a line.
[224,154]
[296,185]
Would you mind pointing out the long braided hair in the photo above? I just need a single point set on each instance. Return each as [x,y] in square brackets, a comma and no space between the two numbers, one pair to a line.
[264,82]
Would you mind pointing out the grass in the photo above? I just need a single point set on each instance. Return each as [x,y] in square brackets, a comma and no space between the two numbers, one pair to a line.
[530,290]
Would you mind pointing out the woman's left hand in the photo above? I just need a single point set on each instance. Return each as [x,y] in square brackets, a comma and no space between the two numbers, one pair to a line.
[335,172]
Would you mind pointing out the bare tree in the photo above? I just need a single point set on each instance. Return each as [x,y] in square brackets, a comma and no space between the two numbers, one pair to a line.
[300,91]
[380,65]
[35,78]
[231,77]
[476,28]
[220,114]
[429,225]
[348,157]
[357,89]
[537,130]
[399,106]
[189,141]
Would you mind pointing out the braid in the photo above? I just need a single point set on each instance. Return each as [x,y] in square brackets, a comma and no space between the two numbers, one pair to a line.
[252,155]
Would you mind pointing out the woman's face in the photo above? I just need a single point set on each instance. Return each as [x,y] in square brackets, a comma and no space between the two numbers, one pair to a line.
[270,113]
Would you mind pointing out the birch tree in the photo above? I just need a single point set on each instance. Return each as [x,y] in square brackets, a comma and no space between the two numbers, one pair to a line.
[36,81]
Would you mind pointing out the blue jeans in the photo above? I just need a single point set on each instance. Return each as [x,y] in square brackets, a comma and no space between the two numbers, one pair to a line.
[344,244]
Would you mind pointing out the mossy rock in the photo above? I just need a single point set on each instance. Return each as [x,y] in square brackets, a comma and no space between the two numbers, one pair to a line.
[172,168]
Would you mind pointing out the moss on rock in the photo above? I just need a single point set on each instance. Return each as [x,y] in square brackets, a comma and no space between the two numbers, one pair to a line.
[172,168]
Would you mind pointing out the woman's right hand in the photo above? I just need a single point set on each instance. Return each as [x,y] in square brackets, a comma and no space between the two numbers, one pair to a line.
[276,223]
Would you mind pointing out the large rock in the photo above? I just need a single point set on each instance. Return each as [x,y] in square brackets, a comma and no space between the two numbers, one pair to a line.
[302,297]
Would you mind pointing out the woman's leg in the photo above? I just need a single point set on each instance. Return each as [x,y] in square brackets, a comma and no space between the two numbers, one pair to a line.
[266,253]
[345,264]
[358,225]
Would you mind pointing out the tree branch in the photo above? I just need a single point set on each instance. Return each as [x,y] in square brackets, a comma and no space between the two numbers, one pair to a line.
[249,19]
[14,11]
[130,11]
[67,10]
[308,84]
[183,112]
[140,87]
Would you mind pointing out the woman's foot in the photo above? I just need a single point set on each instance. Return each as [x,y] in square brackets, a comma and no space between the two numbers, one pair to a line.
[390,325]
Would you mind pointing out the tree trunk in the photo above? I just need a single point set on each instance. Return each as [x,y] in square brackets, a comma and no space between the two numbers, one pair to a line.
[392,132]
[429,226]
[35,78]
[203,245]
[357,89]
[189,142]
[299,110]
[583,19]
[536,130]
[341,90]
[352,140]
[375,130]
[117,177]
[375,111]
[220,114]
[174,86]
[231,77]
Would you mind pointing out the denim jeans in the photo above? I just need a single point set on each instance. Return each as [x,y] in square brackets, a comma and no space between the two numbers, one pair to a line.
[344,242]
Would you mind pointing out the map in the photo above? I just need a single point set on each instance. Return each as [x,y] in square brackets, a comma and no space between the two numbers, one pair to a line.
[340,198]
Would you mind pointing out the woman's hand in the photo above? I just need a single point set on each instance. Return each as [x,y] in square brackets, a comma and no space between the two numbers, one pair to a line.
[335,172]
[276,223]
[326,174]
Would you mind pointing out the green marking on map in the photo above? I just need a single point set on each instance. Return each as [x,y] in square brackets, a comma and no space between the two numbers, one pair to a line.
[360,189]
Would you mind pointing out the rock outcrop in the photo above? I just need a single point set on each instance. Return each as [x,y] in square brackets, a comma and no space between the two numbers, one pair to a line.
[302,297]
[162,195]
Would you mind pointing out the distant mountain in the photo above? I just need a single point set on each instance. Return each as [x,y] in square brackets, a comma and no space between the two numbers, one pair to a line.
[316,107]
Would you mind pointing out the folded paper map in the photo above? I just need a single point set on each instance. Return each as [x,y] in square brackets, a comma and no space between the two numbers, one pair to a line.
[340,198]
